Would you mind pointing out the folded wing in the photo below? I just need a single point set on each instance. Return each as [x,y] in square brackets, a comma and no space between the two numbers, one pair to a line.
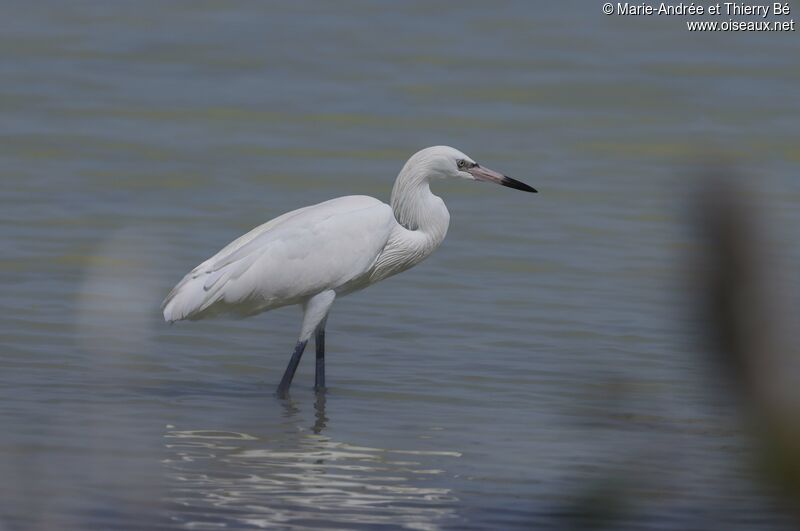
[286,260]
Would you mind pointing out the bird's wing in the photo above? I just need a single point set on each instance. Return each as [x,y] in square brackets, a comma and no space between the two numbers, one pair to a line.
[285,260]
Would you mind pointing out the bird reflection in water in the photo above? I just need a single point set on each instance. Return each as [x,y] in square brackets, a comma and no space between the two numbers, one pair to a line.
[320,419]
[291,411]
[291,474]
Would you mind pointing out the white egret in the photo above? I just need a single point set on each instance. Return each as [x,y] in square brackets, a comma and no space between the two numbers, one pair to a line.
[314,254]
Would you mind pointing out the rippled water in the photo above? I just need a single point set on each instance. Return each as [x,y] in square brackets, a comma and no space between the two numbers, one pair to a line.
[536,370]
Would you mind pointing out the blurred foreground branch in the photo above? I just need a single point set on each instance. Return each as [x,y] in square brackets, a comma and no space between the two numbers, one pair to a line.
[743,315]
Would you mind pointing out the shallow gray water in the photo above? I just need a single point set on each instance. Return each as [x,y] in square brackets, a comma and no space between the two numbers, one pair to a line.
[537,370]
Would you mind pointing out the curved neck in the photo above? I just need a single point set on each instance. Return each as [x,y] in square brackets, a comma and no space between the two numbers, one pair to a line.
[422,221]
[415,207]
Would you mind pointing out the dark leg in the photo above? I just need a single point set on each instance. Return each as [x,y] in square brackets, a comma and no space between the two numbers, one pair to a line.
[286,381]
[319,381]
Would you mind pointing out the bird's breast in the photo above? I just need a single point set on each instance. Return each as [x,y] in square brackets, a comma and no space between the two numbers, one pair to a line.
[403,250]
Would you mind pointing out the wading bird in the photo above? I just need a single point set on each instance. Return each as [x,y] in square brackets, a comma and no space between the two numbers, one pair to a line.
[314,254]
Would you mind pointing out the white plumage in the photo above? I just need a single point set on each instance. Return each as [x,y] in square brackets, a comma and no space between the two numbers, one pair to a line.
[313,254]
[286,260]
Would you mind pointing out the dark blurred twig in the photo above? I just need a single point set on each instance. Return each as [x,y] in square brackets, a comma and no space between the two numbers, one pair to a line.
[741,310]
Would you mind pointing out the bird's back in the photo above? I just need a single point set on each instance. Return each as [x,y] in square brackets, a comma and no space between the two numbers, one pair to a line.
[286,260]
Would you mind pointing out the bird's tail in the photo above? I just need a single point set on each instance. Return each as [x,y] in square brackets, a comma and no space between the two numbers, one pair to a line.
[176,306]
[187,299]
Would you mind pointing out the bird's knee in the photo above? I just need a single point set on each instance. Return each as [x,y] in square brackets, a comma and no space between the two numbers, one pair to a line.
[316,310]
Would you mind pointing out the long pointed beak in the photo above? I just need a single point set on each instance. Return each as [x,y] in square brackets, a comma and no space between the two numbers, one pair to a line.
[485,174]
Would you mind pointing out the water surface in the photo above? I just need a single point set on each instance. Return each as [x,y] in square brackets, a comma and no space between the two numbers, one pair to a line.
[537,370]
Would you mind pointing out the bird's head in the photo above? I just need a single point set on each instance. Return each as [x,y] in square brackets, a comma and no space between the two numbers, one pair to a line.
[446,162]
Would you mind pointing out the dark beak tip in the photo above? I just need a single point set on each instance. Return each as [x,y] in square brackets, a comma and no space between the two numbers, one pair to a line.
[517,185]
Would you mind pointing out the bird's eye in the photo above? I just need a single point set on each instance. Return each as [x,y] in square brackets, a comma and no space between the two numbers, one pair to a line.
[462,164]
